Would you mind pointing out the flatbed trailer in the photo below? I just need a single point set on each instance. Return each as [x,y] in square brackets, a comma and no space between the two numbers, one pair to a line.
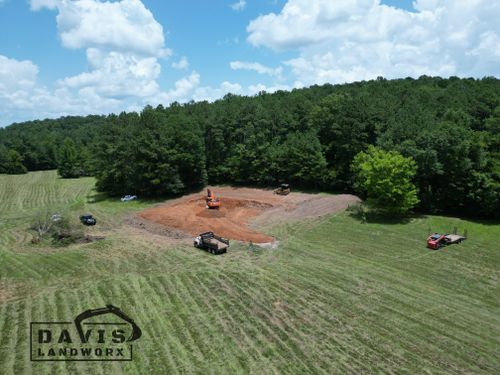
[210,242]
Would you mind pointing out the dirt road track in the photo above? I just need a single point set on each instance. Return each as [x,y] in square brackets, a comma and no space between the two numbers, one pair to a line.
[239,207]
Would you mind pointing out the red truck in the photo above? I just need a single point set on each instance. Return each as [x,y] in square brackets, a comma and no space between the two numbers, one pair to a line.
[436,241]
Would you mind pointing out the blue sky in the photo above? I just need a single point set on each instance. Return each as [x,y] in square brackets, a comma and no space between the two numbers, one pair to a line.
[61,57]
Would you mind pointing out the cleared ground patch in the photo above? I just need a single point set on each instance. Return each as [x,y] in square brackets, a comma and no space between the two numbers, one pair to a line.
[240,207]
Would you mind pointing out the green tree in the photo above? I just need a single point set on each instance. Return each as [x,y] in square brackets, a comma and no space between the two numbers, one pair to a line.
[492,126]
[68,161]
[386,179]
[156,153]
[344,127]
[301,162]
[11,162]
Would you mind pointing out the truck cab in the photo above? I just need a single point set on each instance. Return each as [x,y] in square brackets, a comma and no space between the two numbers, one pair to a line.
[435,241]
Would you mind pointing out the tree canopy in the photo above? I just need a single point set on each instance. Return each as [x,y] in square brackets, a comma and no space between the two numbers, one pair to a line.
[385,177]
[11,162]
[69,163]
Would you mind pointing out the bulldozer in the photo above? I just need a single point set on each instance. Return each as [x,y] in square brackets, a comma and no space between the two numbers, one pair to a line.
[212,200]
[284,189]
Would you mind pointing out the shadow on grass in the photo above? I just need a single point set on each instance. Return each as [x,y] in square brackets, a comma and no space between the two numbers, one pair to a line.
[485,221]
[372,216]
[96,197]
[473,219]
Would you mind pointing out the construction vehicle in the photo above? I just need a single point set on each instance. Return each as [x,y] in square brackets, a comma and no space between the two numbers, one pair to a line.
[212,243]
[284,189]
[436,240]
[212,200]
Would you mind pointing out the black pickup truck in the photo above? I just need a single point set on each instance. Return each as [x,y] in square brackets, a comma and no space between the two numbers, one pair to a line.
[87,219]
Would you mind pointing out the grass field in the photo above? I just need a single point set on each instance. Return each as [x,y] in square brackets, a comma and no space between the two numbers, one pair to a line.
[336,297]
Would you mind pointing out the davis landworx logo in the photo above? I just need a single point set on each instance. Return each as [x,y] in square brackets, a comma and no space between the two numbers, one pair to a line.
[85,340]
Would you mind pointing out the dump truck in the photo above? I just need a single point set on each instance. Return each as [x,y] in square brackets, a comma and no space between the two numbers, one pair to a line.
[210,242]
[212,200]
[436,240]
[284,189]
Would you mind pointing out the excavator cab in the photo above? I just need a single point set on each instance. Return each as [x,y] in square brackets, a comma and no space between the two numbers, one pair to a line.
[212,201]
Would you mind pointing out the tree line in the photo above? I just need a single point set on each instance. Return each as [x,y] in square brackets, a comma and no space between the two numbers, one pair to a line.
[447,132]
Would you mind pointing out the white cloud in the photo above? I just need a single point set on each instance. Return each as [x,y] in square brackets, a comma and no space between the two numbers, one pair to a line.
[123,25]
[124,45]
[113,84]
[16,75]
[257,67]
[347,40]
[39,4]
[183,87]
[213,93]
[114,74]
[182,64]
[210,94]
[259,87]
[21,96]
[240,5]
[182,92]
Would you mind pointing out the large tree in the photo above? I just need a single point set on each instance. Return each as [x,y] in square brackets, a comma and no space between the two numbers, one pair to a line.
[69,162]
[386,179]
[11,162]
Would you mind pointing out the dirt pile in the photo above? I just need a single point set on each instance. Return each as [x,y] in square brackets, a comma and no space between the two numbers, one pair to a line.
[240,207]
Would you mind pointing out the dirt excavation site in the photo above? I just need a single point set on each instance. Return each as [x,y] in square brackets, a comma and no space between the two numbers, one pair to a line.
[241,211]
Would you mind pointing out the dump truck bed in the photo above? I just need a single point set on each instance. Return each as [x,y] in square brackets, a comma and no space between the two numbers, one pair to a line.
[215,243]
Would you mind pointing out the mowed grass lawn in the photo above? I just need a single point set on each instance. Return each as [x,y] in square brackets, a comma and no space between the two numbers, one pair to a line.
[336,297]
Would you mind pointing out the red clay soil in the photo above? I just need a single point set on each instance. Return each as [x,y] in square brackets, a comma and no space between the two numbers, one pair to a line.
[239,206]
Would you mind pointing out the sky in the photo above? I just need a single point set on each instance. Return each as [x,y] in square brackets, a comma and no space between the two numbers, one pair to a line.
[79,57]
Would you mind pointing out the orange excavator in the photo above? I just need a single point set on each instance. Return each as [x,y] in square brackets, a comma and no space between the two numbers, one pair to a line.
[212,200]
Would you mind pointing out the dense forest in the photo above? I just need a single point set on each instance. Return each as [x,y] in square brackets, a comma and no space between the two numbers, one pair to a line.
[449,128]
